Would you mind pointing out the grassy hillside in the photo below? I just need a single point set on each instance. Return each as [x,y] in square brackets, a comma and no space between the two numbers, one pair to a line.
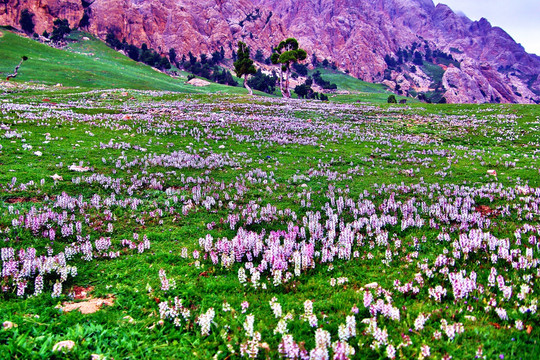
[359,90]
[87,63]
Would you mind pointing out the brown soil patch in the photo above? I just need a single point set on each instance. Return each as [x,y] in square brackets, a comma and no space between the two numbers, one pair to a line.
[21,200]
[486,210]
[82,293]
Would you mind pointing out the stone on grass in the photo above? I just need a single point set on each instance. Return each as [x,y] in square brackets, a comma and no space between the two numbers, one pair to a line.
[198,82]
[64,345]
[8,325]
[78,168]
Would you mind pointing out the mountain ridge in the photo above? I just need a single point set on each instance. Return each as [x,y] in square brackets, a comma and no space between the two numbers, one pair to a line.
[488,65]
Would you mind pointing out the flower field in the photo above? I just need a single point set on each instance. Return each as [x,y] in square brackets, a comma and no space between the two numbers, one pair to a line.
[221,226]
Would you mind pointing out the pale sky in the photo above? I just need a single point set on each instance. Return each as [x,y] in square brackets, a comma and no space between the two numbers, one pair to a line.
[519,18]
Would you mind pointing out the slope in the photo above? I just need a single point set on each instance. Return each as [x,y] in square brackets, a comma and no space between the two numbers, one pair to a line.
[89,63]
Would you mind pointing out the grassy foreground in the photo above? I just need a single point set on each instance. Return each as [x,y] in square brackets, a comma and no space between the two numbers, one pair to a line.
[215,226]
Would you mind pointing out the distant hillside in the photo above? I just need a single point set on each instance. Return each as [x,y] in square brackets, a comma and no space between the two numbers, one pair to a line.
[86,62]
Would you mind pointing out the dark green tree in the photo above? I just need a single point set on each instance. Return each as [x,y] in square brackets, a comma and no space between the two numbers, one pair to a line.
[216,57]
[204,58]
[172,55]
[133,52]
[314,60]
[325,84]
[392,99]
[112,40]
[417,59]
[259,56]
[300,69]
[27,21]
[287,53]
[60,29]
[263,82]
[244,65]
[302,90]
[85,20]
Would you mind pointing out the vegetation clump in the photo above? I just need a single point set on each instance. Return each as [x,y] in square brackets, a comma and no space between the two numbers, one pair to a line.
[60,30]
[27,21]
[287,53]
[243,66]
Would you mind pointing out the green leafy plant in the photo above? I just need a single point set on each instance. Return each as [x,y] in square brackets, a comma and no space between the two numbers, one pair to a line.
[287,53]
[243,66]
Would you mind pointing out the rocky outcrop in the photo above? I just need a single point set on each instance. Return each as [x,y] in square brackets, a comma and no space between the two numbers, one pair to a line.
[356,34]
[44,11]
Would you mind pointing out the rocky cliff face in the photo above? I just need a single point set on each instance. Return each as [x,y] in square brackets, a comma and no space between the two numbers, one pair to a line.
[357,34]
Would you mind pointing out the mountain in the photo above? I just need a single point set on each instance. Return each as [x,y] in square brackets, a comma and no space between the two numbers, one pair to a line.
[413,46]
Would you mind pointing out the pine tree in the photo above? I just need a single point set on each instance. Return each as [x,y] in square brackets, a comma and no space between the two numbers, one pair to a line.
[26,21]
[244,65]
[287,53]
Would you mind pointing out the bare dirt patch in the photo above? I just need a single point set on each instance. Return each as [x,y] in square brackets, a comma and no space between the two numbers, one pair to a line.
[21,200]
[90,305]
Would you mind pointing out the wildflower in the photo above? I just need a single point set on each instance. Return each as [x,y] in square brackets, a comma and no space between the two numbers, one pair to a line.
[57,290]
[391,351]
[248,325]
[276,307]
[244,306]
[322,338]
[420,321]
[501,313]
[242,276]
[205,320]
[288,347]
[281,327]
[426,351]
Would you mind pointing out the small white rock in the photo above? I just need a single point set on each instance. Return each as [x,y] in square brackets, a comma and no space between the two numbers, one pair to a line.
[492,172]
[38,153]
[8,325]
[129,319]
[66,344]
[78,168]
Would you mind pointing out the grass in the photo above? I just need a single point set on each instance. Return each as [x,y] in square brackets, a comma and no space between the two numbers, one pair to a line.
[88,64]
[360,91]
